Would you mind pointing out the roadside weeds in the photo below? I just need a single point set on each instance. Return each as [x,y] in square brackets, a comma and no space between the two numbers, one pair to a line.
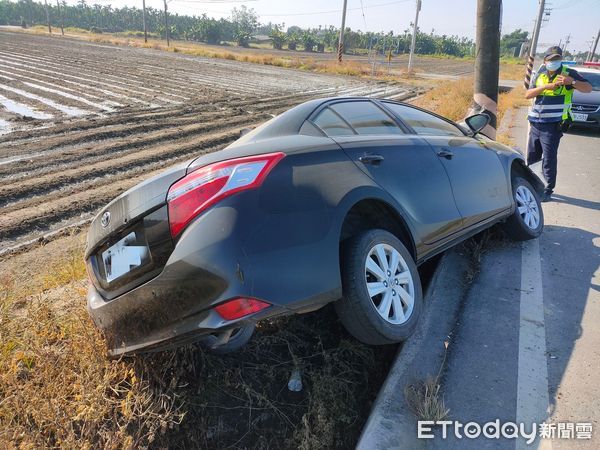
[454,98]
[424,397]
[508,104]
[426,401]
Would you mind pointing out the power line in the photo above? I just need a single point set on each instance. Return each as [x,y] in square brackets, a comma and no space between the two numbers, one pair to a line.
[362,9]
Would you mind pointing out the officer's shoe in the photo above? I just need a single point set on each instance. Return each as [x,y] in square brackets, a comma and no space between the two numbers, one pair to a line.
[546,197]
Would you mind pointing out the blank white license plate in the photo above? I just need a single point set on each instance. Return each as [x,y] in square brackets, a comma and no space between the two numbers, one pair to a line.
[580,117]
[123,257]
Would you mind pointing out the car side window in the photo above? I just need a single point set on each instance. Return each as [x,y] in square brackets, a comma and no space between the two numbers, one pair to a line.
[332,124]
[424,123]
[366,118]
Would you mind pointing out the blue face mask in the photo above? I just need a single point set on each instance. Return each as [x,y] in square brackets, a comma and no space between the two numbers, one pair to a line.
[553,66]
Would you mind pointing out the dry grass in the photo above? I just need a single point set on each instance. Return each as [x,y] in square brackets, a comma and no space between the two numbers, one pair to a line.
[426,401]
[352,68]
[451,99]
[507,101]
[514,70]
[58,388]
[424,398]
[515,98]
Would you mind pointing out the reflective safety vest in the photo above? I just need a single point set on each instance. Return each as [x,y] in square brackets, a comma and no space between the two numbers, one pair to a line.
[551,105]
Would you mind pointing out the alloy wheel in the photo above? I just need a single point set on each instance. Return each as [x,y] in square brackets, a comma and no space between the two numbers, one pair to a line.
[390,284]
[527,207]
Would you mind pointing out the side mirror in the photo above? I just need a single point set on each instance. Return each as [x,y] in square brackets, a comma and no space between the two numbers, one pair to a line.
[477,122]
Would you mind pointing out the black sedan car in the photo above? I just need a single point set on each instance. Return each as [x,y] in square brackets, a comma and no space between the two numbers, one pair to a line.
[336,200]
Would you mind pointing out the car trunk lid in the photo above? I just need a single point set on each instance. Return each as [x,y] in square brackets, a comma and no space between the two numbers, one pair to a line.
[130,206]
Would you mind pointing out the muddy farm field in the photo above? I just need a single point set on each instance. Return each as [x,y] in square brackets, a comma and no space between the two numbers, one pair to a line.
[82,122]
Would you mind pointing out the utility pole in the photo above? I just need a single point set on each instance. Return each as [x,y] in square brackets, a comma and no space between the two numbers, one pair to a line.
[144,20]
[534,40]
[414,36]
[341,43]
[48,17]
[591,56]
[166,23]
[566,43]
[487,62]
[62,22]
[587,58]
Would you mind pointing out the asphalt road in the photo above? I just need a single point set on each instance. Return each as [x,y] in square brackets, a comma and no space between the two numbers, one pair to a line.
[527,345]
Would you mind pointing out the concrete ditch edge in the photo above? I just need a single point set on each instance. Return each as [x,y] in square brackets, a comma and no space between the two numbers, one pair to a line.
[391,424]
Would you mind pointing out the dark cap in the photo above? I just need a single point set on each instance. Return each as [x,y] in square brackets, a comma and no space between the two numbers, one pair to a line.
[553,51]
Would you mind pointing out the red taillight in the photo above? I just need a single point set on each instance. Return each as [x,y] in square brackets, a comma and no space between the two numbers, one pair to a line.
[240,307]
[206,186]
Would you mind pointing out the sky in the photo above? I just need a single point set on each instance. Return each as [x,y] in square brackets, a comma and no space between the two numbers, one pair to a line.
[580,18]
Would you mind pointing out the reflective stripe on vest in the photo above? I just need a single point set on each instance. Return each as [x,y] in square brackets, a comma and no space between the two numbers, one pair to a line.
[551,105]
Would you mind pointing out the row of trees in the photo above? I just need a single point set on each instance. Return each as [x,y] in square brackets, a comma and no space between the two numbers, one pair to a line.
[240,27]
[321,38]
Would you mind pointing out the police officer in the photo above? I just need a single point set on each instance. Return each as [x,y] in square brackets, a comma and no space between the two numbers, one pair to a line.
[550,113]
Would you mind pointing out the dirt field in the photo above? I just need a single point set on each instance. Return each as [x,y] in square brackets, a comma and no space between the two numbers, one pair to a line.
[82,122]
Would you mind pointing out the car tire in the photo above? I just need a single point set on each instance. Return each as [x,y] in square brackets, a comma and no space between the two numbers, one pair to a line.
[371,317]
[527,220]
[238,339]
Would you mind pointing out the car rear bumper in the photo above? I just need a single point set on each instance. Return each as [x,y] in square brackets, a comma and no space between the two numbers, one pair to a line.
[176,306]
[155,327]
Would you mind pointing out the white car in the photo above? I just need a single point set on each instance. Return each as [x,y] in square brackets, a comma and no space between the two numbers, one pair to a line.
[586,107]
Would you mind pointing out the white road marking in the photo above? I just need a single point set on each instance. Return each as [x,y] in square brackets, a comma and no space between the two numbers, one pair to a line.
[532,383]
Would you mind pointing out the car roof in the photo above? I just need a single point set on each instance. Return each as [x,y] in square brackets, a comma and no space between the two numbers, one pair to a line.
[290,122]
[586,69]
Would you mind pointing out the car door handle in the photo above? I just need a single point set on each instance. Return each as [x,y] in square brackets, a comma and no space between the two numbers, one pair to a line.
[445,153]
[371,159]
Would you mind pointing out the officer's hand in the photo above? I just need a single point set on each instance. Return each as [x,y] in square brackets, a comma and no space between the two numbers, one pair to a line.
[551,86]
[566,81]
